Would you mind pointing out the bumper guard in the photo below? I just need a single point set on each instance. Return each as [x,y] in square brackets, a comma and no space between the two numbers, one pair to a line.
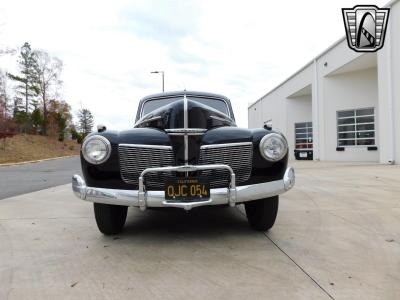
[142,198]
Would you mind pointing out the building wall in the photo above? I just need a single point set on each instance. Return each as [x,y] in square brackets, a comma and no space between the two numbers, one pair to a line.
[328,63]
[389,90]
[395,70]
[333,89]
[350,90]
[298,110]
[274,109]
[386,139]
[255,118]
[273,106]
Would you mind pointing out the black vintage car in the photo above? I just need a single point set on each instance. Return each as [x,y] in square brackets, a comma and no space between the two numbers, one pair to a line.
[184,151]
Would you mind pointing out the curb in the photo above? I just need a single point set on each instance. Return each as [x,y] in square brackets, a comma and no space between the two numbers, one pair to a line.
[35,161]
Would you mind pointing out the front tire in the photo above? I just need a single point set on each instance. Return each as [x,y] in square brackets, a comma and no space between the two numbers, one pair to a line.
[110,219]
[261,213]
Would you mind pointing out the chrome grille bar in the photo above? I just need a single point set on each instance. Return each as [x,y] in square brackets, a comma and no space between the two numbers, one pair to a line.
[136,158]
[239,156]
[185,126]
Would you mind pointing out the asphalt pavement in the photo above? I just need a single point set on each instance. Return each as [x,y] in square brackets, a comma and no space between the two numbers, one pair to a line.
[26,178]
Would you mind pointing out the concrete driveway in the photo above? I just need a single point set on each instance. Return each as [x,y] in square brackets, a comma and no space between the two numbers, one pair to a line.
[337,236]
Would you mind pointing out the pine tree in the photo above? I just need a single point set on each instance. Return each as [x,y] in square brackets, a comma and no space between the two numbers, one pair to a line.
[26,88]
[85,119]
[36,120]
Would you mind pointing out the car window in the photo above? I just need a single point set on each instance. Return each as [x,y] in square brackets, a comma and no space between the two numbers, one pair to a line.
[153,104]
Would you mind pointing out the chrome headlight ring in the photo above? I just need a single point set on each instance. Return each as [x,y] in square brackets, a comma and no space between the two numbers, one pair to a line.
[96,149]
[273,147]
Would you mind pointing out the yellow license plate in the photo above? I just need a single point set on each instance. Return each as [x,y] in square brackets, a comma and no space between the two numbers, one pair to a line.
[187,189]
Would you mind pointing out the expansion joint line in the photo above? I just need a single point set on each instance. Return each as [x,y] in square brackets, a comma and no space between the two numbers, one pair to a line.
[287,255]
[304,271]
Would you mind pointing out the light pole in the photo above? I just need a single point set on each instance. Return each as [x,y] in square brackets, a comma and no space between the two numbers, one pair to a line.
[162,74]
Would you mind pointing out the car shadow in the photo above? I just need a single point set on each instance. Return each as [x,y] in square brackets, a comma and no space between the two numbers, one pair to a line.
[207,222]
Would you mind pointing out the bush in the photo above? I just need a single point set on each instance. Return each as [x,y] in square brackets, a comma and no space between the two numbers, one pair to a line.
[61,137]
[23,120]
[74,133]
[79,138]
[8,129]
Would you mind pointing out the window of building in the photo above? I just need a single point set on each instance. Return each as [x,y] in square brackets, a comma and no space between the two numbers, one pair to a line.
[356,127]
[303,135]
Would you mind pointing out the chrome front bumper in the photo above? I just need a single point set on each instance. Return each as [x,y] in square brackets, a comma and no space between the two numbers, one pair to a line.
[141,198]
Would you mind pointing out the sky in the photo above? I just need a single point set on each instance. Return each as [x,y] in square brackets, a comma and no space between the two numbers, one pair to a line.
[241,49]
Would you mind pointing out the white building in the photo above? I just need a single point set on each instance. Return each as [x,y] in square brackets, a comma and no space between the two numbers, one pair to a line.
[345,105]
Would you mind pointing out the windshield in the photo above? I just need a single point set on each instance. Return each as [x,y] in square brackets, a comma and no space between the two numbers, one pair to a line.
[217,104]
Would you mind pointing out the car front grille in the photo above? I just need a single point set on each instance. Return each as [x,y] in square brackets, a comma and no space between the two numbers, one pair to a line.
[239,156]
[134,159]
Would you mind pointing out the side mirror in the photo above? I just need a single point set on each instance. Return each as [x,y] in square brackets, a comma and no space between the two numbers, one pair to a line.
[101,128]
[268,125]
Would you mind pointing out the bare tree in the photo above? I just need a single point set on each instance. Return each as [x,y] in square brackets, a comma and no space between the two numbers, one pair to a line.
[48,83]
[6,50]
[59,117]
[4,96]
[7,125]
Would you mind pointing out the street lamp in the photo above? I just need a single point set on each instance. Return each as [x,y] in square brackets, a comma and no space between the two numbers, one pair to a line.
[162,73]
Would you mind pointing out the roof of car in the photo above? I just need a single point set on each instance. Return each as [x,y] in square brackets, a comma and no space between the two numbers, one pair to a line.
[188,93]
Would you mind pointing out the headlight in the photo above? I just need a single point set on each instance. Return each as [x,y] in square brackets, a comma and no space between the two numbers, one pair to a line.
[96,149]
[273,147]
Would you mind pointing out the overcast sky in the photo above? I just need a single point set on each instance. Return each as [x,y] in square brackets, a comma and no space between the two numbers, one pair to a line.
[241,49]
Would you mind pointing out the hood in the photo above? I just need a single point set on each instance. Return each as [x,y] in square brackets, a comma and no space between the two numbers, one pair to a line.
[172,116]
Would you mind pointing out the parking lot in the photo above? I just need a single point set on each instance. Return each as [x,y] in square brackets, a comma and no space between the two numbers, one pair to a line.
[337,236]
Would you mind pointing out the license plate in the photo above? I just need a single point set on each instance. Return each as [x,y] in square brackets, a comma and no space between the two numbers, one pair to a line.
[187,189]
[303,154]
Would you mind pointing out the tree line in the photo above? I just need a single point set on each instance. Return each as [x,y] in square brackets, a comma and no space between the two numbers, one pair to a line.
[31,100]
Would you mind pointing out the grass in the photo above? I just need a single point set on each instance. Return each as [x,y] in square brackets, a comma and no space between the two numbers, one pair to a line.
[24,147]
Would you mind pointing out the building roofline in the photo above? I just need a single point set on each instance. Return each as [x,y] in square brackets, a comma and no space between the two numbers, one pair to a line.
[310,62]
